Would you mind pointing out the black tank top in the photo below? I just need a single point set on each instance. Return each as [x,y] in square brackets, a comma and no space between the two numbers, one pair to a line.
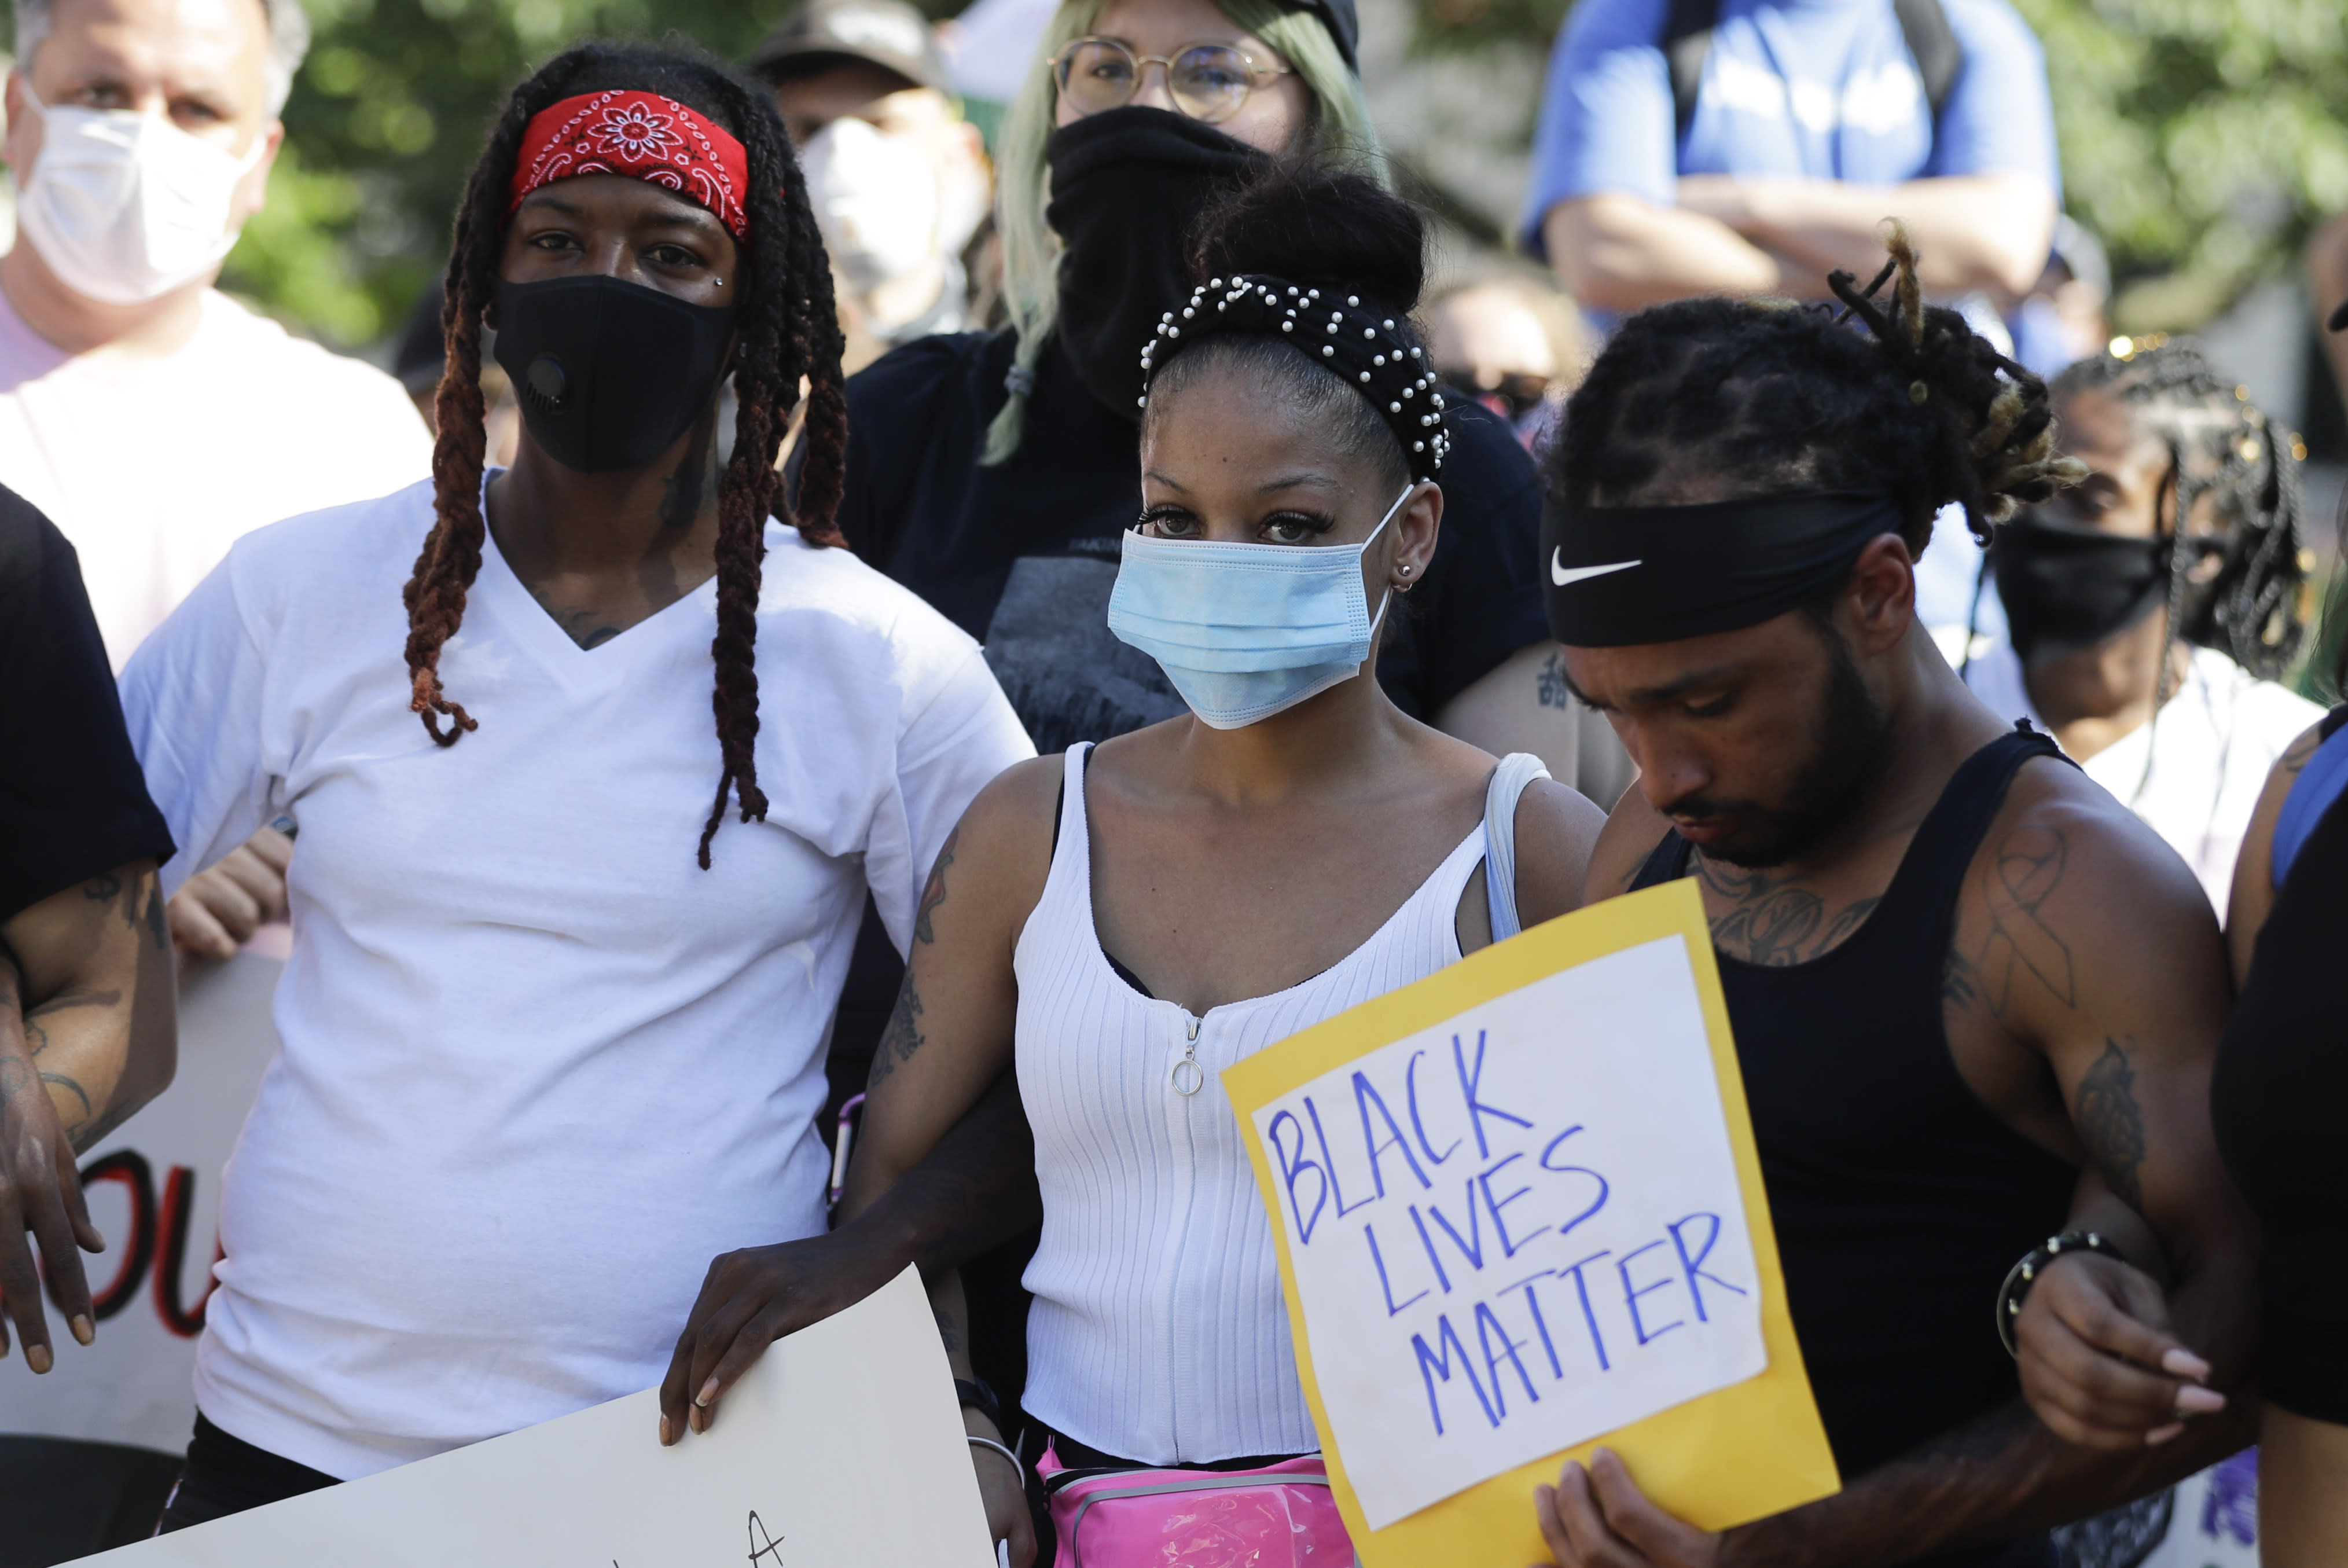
[2275,1099]
[1899,1199]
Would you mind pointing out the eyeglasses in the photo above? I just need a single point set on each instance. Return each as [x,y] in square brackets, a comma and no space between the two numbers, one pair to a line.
[1207,82]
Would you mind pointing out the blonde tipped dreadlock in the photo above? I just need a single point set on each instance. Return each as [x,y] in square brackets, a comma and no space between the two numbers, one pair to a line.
[1762,398]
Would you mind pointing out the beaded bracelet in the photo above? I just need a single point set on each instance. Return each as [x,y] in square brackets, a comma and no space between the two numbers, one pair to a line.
[2024,1275]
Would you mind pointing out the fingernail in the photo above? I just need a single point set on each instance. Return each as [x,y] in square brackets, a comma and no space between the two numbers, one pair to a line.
[37,1357]
[2194,1401]
[708,1392]
[2184,1364]
[83,1329]
[668,1433]
[2159,1434]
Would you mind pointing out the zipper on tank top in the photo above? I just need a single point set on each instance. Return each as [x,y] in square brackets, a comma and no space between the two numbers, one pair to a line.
[1190,1082]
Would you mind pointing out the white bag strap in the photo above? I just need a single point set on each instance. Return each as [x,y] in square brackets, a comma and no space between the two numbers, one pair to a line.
[1517,769]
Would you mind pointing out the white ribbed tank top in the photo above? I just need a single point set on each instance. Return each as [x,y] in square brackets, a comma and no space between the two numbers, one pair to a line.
[1157,1331]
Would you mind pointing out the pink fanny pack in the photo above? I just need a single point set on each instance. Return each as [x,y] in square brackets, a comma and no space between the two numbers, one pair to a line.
[1282,1516]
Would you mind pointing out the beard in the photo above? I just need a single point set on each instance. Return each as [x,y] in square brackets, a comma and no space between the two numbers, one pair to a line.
[1848,747]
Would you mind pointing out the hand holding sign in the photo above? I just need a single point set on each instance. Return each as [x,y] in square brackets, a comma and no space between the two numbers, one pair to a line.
[1518,1210]
[790,1481]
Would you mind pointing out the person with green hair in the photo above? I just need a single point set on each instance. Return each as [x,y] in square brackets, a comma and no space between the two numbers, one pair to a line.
[993,473]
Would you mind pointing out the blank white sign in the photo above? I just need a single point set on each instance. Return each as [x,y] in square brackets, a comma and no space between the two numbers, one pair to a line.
[842,1449]
[1518,1230]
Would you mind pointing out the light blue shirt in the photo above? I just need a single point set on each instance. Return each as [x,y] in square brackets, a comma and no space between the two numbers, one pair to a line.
[1819,89]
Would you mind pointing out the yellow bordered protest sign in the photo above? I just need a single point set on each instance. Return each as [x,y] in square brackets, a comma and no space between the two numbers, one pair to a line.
[1520,1215]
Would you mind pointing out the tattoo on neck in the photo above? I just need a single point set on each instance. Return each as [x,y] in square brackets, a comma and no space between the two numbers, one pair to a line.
[1774,923]
[1554,690]
[902,1038]
[2110,1123]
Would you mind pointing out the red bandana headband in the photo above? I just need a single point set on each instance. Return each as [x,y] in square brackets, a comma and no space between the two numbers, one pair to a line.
[653,137]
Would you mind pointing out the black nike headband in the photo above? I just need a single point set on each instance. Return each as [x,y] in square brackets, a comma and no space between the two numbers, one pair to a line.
[1618,576]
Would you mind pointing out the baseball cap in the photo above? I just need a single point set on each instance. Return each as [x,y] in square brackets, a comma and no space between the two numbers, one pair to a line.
[885,32]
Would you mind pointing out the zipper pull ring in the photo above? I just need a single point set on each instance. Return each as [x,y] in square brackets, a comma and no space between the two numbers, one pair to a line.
[1188,1077]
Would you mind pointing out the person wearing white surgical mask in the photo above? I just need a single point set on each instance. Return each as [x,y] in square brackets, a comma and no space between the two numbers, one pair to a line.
[897,180]
[1119,924]
[155,421]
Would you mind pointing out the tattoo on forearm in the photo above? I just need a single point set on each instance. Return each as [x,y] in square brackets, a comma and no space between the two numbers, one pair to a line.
[1553,689]
[1772,922]
[59,1080]
[102,890]
[947,1333]
[158,927]
[2015,885]
[935,894]
[2110,1123]
[903,1036]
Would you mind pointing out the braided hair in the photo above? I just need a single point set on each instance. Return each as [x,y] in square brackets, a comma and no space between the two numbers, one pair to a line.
[1705,399]
[787,332]
[2220,445]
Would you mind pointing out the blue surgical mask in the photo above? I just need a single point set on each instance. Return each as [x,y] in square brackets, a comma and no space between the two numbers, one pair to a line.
[1244,631]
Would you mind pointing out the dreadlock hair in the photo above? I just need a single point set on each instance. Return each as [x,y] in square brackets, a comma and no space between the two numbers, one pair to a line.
[787,330]
[2221,447]
[1709,399]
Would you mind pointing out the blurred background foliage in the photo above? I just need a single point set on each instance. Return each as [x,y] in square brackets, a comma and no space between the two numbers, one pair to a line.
[2200,137]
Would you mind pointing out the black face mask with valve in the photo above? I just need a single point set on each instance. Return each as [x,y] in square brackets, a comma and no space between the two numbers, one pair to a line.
[609,374]
[2066,587]
[1128,185]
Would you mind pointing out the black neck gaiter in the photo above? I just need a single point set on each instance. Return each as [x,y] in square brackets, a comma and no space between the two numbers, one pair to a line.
[1127,187]
[2066,587]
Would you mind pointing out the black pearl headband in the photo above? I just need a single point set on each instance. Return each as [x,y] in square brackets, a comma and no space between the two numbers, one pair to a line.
[1366,348]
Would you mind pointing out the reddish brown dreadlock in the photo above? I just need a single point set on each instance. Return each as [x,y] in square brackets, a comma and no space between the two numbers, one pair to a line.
[787,331]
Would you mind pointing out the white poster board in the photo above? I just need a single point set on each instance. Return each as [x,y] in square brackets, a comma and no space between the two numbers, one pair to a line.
[155,1196]
[842,1448]
[1511,1234]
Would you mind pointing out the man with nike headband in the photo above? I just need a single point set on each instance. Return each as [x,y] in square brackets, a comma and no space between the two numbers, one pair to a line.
[1975,1001]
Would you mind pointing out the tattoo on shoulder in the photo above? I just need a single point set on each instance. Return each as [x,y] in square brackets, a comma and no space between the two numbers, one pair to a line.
[102,890]
[2111,1124]
[1774,923]
[903,1038]
[2296,754]
[1553,689]
[935,894]
[2016,882]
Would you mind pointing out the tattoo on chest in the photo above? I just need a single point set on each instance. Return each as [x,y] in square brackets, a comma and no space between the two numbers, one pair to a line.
[2015,883]
[2111,1124]
[1773,921]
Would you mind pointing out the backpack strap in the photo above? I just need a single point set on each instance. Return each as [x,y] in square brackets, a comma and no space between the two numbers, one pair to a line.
[1686,43]
[1517,770]
[1940,58]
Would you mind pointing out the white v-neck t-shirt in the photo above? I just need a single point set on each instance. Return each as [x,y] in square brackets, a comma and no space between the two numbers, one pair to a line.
[538,1068]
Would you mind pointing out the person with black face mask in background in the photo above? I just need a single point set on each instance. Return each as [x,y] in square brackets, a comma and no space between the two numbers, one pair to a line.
[2153,608]
[553,1028]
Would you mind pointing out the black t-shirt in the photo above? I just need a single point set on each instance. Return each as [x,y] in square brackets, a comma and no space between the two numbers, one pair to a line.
[1022,556]
[73,804]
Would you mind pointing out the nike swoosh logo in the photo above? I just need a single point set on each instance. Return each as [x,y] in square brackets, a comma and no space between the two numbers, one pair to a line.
[1562,574]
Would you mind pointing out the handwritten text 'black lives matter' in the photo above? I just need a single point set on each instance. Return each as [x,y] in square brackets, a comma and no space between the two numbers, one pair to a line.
[1453,1239]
